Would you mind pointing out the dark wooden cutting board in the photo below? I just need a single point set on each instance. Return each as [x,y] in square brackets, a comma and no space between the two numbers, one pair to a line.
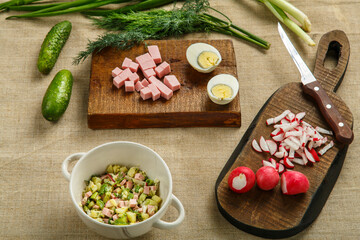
[110,107]
[271,214]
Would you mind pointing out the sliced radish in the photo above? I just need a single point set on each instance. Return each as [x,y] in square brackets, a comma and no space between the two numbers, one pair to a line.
[281,116]
[297,161]
[279,154]
[273,162]
[272,146]
[241,179]
[281,161]
[300,116]
[267,163]
[279,137]
[288,163]
[293,133]
[324,131]
[315,155]
[291,116]
[275,132]
[256,146]
[291,153]
[311,145]
[263,144]
[291,144]
[284,121]
[326,148]
[269,121]
[281,168]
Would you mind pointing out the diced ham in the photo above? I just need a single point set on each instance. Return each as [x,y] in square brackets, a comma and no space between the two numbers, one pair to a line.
[108,204]
[146,189]
[133,66]
[134,77]
[145,61]
[115,217]
[84,200]
[126,63]
[136,197]
[138,86]
[129,86]
[107,212]
[133,203]
[163,69]
[139,176]
[145,93]
[126,203]
[88,194]
[151,210]
[165,92]
[153,188]
[95,207]
[155,93]
[122,183]
[139,210]
[122,203]
[149,72]
[120,79]
[155,53]
[129,184]
[106,220]
[112,196]
[171,82]
[116,72]
[145,82]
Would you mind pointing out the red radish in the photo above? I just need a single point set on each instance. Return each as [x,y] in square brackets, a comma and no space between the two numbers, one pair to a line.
[309,156]
[272,146]
[281,116]
[288,163]
[241,179]
[315,155]
[279,154]
[291,144]
[322,130]
[291,116]
[256,146]
[264,145]
[273,162]
[300,116]
[281,168]
[267,163]
[284,121]
[291,153]
[293,182]
[298,161]
[267,178]
[269,121]
[326,148]
[277,131]
[279,137]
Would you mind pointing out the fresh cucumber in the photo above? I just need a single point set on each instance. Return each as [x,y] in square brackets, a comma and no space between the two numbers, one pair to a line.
[57,96]
[52,45]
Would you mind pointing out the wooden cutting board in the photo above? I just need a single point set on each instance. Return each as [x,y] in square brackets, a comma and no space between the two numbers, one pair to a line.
[271,214]
[110,107]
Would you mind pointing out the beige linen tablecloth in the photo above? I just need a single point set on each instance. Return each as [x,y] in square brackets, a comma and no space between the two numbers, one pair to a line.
[34,196]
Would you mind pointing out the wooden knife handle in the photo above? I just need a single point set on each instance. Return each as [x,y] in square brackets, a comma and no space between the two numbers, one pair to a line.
[342,131]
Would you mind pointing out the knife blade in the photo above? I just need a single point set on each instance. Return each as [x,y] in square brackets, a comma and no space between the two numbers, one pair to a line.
[312,87]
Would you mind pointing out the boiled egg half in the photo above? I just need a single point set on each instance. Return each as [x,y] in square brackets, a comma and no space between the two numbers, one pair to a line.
[203,57]
[222,88]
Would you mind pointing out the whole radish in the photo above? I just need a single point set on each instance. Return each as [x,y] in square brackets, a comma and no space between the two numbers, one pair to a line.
[293,182]
[241,179]
[267,178]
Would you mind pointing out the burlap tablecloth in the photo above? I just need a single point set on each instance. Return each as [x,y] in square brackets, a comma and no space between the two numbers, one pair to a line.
[34,196]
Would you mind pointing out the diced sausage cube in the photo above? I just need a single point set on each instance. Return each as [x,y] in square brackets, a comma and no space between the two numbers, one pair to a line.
[145,82]
[139,176]
[155,93]
[172,82]
[155,53]
[129,87]
[145,61]
[129,185]
[126,63]
[134,66]
[149,72]
[134,77]
[165,92]
[163,69]
[133,203]
[138,86]
[107,212]
[118,81]
[115,217]
[145,93]
[116,72]
[146,189]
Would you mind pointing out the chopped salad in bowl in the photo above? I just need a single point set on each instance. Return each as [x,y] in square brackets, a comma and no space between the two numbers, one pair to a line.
[121,196]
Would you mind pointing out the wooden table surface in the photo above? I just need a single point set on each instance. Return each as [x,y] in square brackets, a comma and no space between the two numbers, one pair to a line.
[35,200]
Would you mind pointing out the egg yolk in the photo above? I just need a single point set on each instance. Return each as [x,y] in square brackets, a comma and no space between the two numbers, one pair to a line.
[222,91]
[207,59]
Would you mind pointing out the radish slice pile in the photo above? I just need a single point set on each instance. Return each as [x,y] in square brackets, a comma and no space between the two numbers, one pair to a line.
[293,141]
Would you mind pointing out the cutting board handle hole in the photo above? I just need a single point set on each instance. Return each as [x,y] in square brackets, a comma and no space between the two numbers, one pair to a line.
[332,55]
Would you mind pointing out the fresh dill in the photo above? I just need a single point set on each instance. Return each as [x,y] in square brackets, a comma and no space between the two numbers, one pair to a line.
[135,27]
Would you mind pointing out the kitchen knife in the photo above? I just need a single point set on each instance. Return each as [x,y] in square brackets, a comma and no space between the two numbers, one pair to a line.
[343,132]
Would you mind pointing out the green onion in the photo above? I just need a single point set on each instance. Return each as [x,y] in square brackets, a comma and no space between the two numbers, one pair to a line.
[15,3]
[69,10]
[33,7]
[281,15]
[145,5]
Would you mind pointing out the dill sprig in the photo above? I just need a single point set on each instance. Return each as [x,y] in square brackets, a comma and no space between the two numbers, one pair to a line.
[135,27]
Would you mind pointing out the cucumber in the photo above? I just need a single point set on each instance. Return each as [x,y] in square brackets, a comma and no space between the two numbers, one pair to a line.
[52,45]
[57,96]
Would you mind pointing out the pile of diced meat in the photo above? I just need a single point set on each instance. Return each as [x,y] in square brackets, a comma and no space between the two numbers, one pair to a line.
[151,86]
